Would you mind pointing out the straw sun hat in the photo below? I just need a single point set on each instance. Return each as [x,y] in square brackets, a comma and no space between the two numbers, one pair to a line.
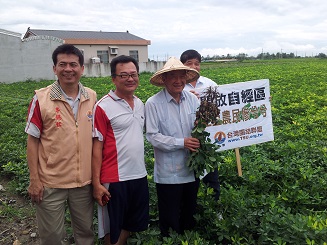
[173,64]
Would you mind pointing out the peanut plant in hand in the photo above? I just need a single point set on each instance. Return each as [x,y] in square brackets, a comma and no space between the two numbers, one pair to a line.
[206,157]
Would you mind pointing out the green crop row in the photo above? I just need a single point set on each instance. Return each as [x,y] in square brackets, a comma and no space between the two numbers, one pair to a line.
[281,196]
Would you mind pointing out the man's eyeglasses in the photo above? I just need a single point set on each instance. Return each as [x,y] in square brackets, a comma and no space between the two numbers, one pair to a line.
[126,76]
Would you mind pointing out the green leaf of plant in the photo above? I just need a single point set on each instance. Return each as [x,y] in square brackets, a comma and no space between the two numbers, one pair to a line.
[212,159]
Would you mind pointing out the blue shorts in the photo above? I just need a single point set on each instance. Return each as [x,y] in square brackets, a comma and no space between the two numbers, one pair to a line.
[128,207]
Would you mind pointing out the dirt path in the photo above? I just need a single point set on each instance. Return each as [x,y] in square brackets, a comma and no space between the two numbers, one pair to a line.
[17,217]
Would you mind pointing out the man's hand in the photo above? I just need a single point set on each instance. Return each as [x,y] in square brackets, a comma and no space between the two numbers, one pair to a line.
[195,93]
[191,143]
[101,194]
[35,191]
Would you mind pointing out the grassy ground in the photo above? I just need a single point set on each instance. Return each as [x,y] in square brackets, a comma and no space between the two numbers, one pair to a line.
[17,217]
[281,198]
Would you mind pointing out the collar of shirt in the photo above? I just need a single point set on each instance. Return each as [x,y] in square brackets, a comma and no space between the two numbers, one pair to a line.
[56,92]
[67,98]
[197,84]
[171,99]
[113,95]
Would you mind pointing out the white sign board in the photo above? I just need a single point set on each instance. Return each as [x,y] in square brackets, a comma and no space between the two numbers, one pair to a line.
[245,115]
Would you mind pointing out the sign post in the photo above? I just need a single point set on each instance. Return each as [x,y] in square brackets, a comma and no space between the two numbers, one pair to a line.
[245,116]
[238,161]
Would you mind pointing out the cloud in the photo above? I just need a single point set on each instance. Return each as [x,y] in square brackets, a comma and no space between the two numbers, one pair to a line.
[210,26]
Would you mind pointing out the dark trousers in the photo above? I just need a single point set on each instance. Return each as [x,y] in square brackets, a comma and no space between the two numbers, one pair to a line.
[212,180]
[177,204]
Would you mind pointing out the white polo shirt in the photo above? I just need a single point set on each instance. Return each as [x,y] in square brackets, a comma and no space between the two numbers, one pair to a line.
[121,129]
[201,83]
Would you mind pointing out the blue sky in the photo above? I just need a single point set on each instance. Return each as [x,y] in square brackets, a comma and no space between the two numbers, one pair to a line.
[213,27]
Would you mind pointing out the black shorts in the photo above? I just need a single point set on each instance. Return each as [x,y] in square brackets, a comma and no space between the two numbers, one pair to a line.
[128,207]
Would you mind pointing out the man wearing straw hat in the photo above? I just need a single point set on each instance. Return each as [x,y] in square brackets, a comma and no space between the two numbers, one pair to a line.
[170,116]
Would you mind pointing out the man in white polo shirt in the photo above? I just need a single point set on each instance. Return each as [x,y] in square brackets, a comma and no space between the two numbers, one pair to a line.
[118,154]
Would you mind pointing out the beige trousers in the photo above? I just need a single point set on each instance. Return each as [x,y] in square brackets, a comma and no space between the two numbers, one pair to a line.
[50,214]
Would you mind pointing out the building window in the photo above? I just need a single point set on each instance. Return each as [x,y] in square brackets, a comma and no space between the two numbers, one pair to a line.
[134,54]
[103,55]
[114,50]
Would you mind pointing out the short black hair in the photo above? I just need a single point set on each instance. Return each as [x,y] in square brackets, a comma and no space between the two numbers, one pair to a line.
[190,54]
[67,49]
[122,59]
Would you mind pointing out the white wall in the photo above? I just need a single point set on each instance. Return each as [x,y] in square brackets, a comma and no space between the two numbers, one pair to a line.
[10,57]
[103,70]
[30,59]
[90,51]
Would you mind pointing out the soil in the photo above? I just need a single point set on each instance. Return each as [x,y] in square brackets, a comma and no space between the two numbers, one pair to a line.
[17,217]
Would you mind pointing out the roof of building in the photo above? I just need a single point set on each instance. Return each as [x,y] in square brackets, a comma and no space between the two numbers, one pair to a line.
[90,37]
[10,33]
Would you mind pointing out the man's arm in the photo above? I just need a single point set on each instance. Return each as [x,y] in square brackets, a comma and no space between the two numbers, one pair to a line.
[35,189]
[163,142]
[100,193]
[154,136]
